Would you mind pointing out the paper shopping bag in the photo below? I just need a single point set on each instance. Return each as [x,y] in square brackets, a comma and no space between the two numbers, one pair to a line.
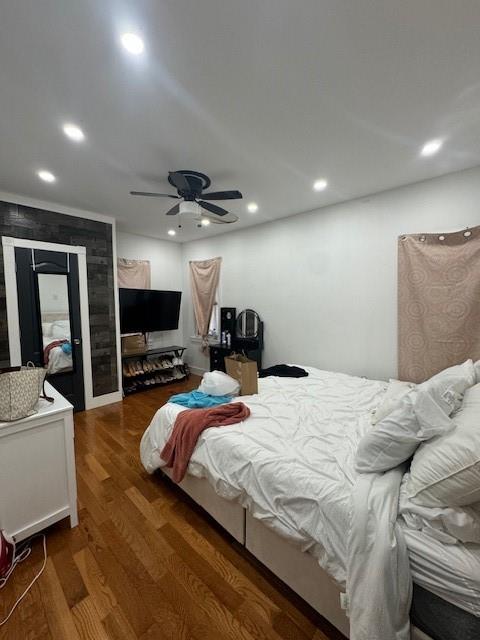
[244,371]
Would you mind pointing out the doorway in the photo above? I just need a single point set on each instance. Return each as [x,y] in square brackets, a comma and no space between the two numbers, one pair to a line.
[50,318]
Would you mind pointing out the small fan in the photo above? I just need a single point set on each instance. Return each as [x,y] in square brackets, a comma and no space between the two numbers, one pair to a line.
[190,186]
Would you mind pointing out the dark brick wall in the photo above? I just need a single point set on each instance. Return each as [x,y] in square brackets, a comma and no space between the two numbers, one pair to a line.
[18,221]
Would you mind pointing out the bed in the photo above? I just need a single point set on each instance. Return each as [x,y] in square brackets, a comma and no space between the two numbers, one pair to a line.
[57,358]
[290,467]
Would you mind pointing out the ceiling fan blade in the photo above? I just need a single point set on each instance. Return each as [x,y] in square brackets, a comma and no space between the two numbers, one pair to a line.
[213,208]
[222,195]
[217,220]
[152,195]
[179,180]
[173,211]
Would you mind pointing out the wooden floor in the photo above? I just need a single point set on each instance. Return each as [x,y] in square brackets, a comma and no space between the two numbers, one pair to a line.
[145,563]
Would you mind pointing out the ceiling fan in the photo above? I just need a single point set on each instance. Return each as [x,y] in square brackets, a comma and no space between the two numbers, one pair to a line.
[190,186]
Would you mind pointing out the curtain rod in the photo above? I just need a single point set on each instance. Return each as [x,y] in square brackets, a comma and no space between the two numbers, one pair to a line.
[467,234]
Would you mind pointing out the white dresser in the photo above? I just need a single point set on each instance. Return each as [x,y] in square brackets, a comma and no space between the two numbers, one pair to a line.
[37,469]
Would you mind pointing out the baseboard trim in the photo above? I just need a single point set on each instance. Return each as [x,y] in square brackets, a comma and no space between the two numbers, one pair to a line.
[198,371]
[101,401]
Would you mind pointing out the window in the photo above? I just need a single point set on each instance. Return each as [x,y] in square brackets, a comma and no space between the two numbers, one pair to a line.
[214,326]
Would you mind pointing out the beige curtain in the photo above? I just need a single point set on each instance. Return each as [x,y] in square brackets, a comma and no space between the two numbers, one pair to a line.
[438,302]
[204,276]
[133,274]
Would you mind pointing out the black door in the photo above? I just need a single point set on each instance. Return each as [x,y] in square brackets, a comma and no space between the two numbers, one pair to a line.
[49,314]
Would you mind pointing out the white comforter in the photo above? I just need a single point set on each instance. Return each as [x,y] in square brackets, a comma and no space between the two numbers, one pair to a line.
[59,361]
[291,465]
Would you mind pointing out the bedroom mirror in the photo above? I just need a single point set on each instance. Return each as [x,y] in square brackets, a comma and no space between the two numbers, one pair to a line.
[248,323]
[55,321]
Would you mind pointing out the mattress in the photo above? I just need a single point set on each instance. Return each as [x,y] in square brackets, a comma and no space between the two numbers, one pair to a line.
[291,465]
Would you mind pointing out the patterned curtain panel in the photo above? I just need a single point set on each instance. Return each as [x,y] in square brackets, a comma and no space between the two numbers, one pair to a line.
[204,276]
[133,274]
[438,302]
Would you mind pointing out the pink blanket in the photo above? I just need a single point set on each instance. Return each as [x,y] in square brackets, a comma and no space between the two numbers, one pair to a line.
[188,427]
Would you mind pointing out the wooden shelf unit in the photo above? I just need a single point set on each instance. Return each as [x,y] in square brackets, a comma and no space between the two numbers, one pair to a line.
[145,380]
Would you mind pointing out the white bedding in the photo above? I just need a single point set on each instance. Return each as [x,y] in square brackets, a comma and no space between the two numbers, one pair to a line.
[58,360]
[291,465]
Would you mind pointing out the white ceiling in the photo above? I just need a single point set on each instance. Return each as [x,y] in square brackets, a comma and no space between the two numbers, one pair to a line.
[264,96]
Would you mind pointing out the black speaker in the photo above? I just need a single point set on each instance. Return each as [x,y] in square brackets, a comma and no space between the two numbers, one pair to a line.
[228,317]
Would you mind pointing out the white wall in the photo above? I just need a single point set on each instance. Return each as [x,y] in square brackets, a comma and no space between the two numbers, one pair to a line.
[325,282]
[166,268]
[53,293]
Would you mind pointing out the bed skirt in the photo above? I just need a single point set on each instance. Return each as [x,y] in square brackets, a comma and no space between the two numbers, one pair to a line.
[299,571]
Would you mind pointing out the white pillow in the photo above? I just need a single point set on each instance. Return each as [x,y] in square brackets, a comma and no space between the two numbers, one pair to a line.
[446,471]
[217,383]
[46,329]
[61,329]
[395,391]
[417,417]
[476,366]
[448,386]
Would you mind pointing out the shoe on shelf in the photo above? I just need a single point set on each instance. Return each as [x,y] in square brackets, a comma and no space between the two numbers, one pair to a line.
[126,372]
[131,368]
[138,367]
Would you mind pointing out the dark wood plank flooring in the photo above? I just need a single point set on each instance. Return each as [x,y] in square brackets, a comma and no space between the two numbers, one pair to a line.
[146,563]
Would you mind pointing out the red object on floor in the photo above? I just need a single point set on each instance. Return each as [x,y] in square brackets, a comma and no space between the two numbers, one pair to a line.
[188,427]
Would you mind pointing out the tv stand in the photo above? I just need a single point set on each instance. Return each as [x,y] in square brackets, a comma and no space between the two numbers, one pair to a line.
[143,370]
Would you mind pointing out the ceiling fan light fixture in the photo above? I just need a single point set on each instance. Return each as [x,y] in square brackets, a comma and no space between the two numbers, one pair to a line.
[191,208]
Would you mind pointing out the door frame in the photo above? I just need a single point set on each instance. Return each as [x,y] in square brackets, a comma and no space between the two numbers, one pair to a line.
[9,245]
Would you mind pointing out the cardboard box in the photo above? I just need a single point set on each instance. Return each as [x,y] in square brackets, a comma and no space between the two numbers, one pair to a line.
[133,344]
[244,371]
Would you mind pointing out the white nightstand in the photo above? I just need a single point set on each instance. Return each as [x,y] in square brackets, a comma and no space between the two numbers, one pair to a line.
[37,469]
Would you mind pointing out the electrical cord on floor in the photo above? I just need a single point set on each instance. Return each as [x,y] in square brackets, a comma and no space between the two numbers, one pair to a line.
[22,555]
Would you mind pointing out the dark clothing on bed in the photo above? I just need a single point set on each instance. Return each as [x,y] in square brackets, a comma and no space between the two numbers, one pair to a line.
[283,371]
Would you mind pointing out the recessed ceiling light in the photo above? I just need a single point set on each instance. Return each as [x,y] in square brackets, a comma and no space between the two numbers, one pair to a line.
[252,207]
[320,185]
[205,222]
[431,147]
[73,132]
[46,176]
[132,43]
[172,232]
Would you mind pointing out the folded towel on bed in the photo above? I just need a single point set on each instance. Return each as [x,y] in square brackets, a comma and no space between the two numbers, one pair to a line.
[198,399]
[187,429]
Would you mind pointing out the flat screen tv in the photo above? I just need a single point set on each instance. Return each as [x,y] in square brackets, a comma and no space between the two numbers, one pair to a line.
[143,310]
